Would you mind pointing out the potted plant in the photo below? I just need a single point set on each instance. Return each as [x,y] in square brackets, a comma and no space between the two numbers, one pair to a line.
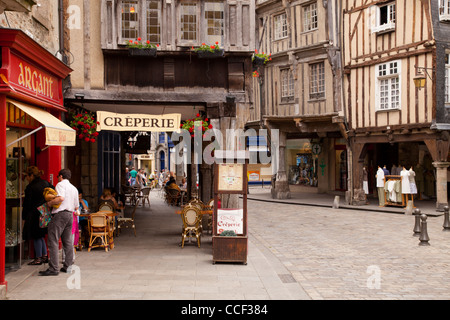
[198,122]
[85,125]
[206,51]
[261,58]
[137,48]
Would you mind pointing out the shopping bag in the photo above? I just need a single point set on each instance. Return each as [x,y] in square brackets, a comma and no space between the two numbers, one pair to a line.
[46,215]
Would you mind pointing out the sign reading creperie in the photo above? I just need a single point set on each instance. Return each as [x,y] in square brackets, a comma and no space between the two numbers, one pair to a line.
[138,122]
[33,80]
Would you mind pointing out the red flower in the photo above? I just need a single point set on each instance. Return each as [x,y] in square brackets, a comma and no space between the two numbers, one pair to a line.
[139,39]
[81,136]
[92,140]
[206,119]
[86,139]
[217,42]
[95,134]
[210,126]
[190,129]
[198,114]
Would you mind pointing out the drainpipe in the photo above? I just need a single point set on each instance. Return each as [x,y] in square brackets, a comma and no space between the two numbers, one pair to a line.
[61,50]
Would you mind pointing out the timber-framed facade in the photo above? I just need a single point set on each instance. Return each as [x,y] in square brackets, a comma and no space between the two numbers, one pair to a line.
[299,93]
[386,46]
[176,80]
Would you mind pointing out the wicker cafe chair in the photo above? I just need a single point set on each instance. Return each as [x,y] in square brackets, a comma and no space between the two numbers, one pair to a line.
[99,229]
[127,222]
[105,206]
[173,196]
[144,195]
[128,194]
[191,223]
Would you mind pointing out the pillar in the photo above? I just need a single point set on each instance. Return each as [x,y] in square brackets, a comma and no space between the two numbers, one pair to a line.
[3,282]
[441,184]
[280,189]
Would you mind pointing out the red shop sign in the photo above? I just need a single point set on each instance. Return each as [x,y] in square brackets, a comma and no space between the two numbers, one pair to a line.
[33,80]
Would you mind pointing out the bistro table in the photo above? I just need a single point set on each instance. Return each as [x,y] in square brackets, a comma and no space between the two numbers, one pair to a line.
[111,219]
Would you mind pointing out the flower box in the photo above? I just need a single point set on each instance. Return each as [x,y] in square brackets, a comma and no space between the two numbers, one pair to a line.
[258,61]
[230,249]
[148,52]
[211,54]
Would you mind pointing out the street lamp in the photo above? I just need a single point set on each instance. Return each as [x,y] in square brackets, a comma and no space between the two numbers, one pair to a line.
[420,78]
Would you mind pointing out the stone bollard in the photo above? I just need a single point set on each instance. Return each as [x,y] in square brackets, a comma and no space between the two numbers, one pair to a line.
[446,224]
[423,233]
[416,213]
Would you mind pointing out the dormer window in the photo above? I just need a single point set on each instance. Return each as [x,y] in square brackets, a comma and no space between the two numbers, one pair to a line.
[385,18]
[444,10]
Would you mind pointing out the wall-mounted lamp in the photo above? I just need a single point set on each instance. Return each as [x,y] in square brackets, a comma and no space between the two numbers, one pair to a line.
[79,96]
[420,78]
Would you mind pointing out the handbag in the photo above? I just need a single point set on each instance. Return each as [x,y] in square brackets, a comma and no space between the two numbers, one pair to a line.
[46,215]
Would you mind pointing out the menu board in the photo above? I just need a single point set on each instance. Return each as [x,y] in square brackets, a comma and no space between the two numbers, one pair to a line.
[231,177]
[230,219]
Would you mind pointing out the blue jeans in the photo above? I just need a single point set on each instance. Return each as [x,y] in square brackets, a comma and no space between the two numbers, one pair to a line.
[40,248]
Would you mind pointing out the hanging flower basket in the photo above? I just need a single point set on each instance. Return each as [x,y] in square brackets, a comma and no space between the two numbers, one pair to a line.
[137,48]
[209,52]
[198,122]
[260,59]
[85,125]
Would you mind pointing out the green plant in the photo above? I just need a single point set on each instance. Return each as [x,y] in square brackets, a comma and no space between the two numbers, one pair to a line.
[139,45]
[205,47]
[190,124]
[262,55]
[85,125]
[228,233]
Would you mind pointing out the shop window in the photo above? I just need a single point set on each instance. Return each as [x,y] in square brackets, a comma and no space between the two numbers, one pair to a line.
[388,86]
[316,80]
[310,17]
[444,10]
[280,26]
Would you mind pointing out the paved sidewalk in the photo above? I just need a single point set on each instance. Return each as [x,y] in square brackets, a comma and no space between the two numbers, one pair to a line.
[154,266]
[296,252]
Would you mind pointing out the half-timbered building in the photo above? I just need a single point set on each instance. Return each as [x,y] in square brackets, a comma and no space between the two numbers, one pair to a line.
[299,93]
[396,90]
[176,80]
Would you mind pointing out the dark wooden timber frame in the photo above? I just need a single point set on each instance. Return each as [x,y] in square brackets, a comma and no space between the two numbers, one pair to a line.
[230,249]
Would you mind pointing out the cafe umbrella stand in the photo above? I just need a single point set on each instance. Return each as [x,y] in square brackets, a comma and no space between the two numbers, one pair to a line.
[230,239]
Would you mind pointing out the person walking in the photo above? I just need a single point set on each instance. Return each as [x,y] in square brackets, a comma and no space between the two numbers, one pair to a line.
[34,197]
[60,225]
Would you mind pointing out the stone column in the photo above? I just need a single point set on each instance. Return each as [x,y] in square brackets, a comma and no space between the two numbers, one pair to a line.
[280,189]
[441,184]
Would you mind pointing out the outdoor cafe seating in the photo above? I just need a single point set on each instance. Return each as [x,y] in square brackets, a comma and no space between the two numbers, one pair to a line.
[99,228]
[191,217]
[126,218]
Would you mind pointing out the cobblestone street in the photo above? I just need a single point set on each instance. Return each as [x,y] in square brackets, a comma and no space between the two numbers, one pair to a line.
[336,253]
[296,252]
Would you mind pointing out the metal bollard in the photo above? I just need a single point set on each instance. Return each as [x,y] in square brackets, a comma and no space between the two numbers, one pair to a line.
[424,234]
[416,213]
[446,224]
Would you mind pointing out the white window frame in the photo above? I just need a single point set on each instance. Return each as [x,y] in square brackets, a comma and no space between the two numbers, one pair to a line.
[180,31]
[317,80]
[280,26]
[447,78]
[388,75]
[389,25]
[287,84]
[214,26]
[310,22]
[444,10]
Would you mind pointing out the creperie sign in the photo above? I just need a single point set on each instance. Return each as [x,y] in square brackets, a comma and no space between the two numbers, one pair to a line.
[33,79]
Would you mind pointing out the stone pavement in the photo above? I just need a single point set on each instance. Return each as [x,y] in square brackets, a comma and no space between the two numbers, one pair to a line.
[296,252]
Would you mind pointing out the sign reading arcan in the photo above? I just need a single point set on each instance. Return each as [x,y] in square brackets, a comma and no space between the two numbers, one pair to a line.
[138,122]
